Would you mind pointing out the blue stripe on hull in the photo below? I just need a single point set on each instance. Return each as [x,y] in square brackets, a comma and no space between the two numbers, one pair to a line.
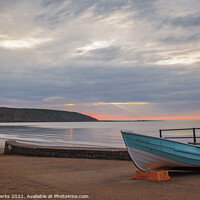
[173,150]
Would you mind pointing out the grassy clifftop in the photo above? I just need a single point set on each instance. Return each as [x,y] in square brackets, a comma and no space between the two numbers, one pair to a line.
[41,115]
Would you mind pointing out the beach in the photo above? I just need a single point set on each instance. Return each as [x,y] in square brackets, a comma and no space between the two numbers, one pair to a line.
[1,149]
[58,178]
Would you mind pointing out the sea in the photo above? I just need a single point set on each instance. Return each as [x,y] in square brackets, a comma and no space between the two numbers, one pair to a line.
[90,134]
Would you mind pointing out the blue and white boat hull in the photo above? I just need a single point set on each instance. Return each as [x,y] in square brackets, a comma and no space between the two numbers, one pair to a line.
[151,153]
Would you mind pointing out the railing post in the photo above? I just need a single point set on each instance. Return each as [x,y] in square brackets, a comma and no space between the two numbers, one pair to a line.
[194,136]
[160,133]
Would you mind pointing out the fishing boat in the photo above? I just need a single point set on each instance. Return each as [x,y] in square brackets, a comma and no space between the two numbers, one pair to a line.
[158,153]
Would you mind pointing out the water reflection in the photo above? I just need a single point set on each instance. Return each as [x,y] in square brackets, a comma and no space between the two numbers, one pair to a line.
[106,137]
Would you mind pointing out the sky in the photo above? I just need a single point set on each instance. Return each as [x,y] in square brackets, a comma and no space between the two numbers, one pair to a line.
[110,59]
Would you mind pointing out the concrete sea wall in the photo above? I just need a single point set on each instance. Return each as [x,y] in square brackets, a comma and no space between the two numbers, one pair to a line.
[16,148]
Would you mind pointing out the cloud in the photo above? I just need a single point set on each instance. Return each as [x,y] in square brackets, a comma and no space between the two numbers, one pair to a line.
[110,103]
[93,46]
[184,21]
[52,99]
[117,103]
[70,104]
[71,53]
[24,43]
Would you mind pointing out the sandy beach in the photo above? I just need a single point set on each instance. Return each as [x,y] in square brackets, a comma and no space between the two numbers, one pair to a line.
[97,179]
[1,150]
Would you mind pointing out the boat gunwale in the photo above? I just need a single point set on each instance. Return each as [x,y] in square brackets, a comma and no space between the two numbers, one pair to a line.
[148,136]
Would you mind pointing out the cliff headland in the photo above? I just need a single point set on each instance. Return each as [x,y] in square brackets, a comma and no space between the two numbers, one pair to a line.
[41,115]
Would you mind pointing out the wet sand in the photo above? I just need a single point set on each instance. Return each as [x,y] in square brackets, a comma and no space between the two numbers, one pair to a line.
[99,179]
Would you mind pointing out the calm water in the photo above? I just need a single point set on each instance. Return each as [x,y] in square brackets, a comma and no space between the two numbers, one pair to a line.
[97,134]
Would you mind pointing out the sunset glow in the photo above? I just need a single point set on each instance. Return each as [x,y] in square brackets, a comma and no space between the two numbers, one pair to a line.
[116,103]
[123,117]
[70,104]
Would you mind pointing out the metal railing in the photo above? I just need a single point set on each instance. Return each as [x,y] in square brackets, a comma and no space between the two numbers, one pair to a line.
[183,129]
